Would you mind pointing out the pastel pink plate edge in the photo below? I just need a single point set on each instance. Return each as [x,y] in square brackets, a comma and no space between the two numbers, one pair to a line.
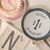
[17,17]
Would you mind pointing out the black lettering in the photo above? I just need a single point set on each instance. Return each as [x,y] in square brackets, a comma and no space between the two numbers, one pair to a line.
[10,44]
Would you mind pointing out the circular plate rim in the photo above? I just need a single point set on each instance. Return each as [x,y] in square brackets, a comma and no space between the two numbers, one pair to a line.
[22,24]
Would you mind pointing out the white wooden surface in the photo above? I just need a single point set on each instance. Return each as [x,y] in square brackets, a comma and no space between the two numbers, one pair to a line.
[43,45]
[11,32]
[31,4]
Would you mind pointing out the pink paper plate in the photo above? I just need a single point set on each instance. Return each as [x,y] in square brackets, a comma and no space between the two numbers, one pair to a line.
[14,18]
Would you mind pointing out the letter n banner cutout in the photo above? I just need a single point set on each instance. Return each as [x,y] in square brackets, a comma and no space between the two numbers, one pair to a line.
[12,39]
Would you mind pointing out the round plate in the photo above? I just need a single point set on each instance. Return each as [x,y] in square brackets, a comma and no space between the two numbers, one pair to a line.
[14,18]
[36,24]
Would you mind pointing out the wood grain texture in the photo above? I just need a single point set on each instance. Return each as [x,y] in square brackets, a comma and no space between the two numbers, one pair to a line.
[44,45]
[12,37]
